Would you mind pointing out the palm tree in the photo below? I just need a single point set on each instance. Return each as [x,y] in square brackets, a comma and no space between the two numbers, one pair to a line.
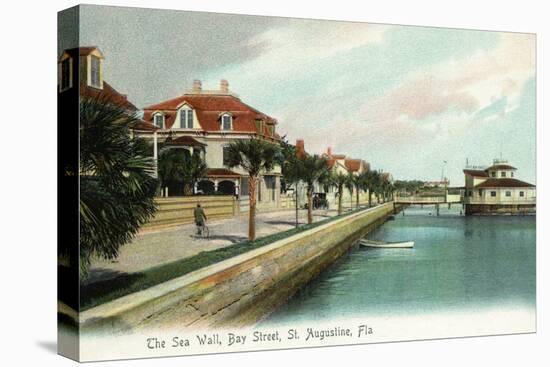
[179,170]
[312,169]
[339,180]
[350,186]
[254,156]
[370,183]
[117,184]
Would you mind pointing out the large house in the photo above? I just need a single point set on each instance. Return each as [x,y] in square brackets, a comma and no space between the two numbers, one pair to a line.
[496,189]
[206,122]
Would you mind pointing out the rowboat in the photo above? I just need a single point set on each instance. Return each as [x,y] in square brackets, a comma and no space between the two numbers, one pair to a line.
[380,244]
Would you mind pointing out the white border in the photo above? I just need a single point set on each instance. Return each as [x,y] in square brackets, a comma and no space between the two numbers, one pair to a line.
[28,184]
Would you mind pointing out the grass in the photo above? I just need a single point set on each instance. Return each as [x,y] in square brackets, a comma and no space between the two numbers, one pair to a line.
[94,294]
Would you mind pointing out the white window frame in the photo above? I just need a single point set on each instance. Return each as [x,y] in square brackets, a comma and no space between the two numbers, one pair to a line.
[163,125]
[99,84]
[230,121]
[69,61]
[184,117]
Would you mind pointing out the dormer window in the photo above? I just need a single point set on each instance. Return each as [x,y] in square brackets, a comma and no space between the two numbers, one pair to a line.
[95,71]
[66,74]
[186,118]
[159,120]
[226,122]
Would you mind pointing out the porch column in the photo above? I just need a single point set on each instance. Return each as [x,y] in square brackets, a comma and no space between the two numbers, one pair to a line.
[155,153]
[236,182]
[215,185]
[195,187]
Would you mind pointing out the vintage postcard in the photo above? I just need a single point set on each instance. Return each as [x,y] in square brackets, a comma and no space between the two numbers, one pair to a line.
[236,183]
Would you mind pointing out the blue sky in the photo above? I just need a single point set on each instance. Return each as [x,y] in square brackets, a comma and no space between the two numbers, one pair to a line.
[403,98]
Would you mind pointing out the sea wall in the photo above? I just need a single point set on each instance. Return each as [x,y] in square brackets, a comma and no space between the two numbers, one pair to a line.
[239,291]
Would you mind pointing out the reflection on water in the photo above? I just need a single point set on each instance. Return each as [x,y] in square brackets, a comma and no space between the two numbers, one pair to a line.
[458,264]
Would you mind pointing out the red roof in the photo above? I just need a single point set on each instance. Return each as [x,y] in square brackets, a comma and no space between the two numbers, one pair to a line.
[476,173]
[501,166]
[188,141]
[209,108]
[503,182]
[144,126]
[353,165]
[108,92]
[80,51]
[338,156]
[221,172]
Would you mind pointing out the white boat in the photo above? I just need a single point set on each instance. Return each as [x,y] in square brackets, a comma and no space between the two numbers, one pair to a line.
[380,244]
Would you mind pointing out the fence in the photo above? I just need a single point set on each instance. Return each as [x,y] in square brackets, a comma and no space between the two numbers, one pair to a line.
[179,210]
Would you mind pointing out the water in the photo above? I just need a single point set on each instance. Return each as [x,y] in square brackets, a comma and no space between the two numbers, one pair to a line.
[459,264]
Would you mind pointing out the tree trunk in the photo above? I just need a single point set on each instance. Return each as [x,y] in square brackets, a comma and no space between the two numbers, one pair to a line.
[252,208]
[357,197]
[340,200]
[370,198]
[296,203]
[309,205]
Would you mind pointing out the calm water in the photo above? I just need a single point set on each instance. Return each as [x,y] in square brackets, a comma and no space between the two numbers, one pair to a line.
[458,264]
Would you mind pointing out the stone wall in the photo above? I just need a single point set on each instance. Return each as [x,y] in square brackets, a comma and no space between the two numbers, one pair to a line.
[239,291]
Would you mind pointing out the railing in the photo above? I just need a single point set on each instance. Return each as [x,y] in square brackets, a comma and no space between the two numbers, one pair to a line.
[420,199]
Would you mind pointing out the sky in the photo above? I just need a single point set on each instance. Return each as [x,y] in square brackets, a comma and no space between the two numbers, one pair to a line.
[414,101]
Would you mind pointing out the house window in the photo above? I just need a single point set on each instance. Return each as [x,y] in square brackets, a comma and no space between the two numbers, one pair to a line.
[259,125]
[493,174]
[186,118]
[493,193]
[503,174]
[95,72]
[521,194]
[159,121]
[271,130]
[470,192]
[66,74]
[244,185]
[226,122]
[225,154]
[512,174]
[270,185]
[508,193]
[480,192]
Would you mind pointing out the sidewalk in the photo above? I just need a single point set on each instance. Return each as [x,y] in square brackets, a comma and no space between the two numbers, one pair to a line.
[156,248]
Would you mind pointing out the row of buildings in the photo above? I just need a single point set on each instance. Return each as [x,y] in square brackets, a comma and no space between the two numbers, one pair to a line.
[200,121]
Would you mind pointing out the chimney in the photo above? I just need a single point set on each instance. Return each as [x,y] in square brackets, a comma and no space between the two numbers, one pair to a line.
[224,86]
[197,86]
[329,151]
[300,148]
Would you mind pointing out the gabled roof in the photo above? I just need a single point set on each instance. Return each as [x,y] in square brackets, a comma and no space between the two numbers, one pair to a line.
[108,92]
[353,165]
[476,173]
[338,156]
[185,140]
[81,51]
[500,166]
[209,108]
[503,182]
